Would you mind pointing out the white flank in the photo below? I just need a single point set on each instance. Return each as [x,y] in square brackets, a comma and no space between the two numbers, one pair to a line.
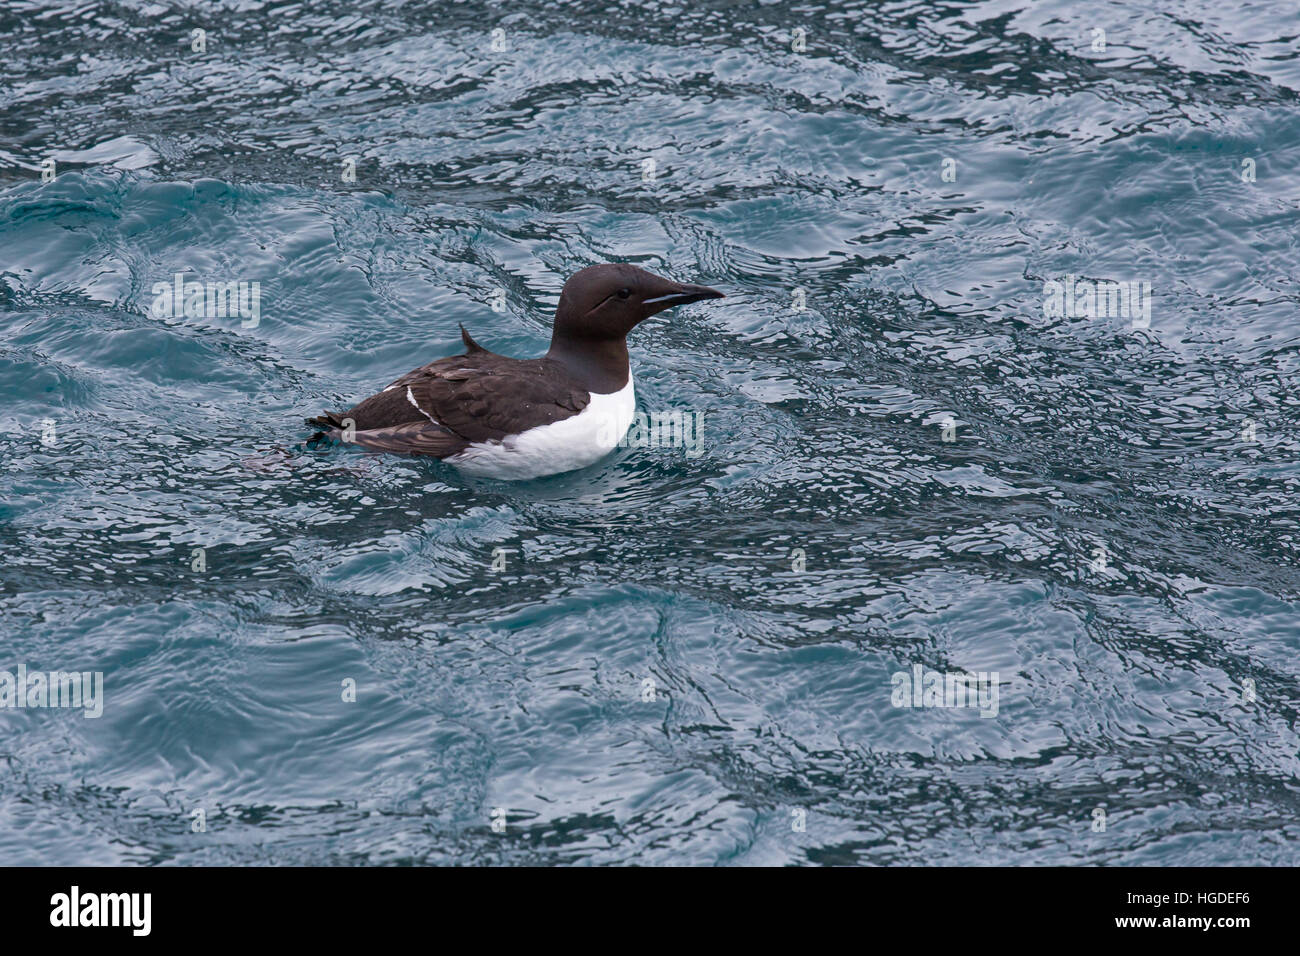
[575,442]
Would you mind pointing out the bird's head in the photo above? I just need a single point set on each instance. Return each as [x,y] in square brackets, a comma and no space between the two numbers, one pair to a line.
[605,302]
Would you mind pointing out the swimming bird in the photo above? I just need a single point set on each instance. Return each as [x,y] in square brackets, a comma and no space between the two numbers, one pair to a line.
[499,417]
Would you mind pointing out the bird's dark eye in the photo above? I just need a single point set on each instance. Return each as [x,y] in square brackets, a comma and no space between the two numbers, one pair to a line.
[624,293]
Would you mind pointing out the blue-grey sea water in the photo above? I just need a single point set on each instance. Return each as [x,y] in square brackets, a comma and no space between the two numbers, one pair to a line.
[910,456]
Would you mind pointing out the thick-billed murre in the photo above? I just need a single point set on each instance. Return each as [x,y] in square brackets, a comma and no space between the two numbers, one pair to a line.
[501,417]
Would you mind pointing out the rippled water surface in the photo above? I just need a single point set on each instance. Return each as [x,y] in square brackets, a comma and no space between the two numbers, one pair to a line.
[1107,520]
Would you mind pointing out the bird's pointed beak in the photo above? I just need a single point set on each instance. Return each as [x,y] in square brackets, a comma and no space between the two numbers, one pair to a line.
[678,293]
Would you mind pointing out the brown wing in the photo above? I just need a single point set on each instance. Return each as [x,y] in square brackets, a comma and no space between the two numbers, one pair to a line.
[485,397]
[442,407]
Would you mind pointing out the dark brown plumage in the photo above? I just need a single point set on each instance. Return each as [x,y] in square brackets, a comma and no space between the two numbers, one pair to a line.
[448,405]
[457,401]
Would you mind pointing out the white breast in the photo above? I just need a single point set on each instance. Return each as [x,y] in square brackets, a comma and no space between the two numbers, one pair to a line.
[575,442]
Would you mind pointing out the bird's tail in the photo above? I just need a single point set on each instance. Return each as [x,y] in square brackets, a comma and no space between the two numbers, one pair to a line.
[329,424]
[328,420]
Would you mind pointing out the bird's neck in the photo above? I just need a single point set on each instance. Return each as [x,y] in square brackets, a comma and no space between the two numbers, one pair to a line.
[600,366]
